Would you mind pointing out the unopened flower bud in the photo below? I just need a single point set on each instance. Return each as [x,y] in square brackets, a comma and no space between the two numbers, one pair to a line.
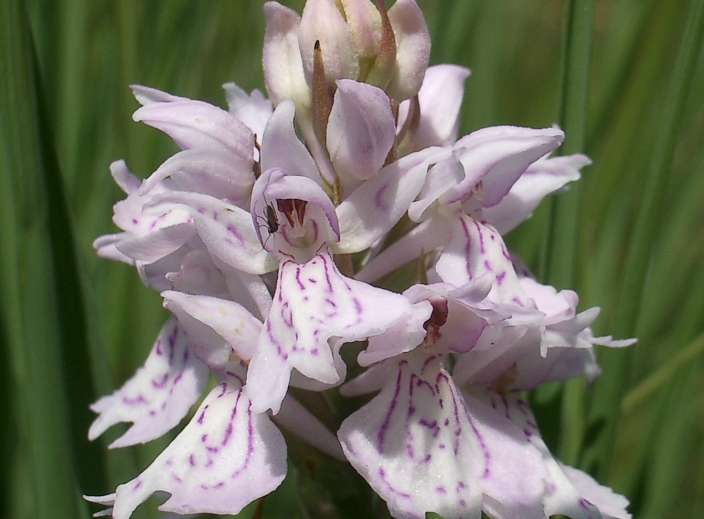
[323,22]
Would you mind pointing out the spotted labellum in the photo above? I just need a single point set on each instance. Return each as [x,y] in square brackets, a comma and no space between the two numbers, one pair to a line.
[272,236]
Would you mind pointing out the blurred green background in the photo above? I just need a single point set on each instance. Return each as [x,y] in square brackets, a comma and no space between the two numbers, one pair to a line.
[625,78]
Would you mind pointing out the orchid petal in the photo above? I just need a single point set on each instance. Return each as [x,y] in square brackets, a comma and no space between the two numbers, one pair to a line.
[375,207]
[416,445]
[155,274]
[195,124]
[148,95]
[561,495]
[412,49]
[254,110]
[283,67]
[158,395]
[540,179]
[497,156]
[440,98]
[129,213]
[610,504]
[476,249]
[361,129]
[400,338]
[106,247]
[226,230]
[249,289]
[442,177]
[495,355]
[558,363]
[297,419]
[123,178]
[156,244]
[228,319]
[516,487]
[313,303]
[197,274]
[218,173]
[372,379]
[296,236]
[281,147]
[423,238]
[557,306]
[224,459]
[423,447]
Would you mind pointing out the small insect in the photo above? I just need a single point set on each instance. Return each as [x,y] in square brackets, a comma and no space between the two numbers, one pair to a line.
[268,220]
[272,222]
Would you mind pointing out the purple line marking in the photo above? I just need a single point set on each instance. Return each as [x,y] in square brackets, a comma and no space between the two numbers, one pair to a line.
[381,435]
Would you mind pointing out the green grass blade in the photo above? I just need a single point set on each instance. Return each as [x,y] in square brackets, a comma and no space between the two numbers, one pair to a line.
[561,241]
[560,245]
[43,315]
[608,391]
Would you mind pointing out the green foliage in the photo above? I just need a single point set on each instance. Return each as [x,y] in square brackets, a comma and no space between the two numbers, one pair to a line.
[625,78]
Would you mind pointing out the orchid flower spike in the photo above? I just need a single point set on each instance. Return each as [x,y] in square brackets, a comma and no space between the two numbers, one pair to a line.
[264,234]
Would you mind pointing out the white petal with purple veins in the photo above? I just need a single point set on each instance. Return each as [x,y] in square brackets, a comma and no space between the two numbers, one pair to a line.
[516,484]
[226,230]
[224,459]
[417,445]
[474,250]
[158,395]
[312,304]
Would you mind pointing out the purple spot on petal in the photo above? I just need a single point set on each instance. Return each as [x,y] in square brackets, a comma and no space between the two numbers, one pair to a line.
[159,384]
